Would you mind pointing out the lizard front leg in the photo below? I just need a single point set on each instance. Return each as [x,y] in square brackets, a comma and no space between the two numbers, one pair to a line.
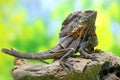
[83,48]
[65,57]
[67,53]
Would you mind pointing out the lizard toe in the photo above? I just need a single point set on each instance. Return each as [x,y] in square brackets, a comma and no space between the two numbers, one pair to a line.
[93,58]
[65,64]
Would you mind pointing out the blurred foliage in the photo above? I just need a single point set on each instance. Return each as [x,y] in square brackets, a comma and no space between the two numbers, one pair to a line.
[33,25]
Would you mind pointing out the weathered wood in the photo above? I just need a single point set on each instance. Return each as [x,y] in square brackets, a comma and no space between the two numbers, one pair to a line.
[108,68]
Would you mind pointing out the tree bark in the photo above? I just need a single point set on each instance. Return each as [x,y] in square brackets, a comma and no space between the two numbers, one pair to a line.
[106,68]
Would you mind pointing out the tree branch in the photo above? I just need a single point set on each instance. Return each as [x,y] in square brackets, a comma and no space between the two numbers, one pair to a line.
[108,68]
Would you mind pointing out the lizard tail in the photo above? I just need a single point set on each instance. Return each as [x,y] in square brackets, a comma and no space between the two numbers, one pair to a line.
[39,56]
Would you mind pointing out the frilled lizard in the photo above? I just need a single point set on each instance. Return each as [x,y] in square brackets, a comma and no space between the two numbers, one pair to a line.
[77,35]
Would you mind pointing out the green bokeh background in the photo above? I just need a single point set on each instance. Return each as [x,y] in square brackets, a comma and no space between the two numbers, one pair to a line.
[34,25]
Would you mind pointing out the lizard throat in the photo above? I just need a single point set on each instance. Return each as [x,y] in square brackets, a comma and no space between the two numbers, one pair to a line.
[79,32]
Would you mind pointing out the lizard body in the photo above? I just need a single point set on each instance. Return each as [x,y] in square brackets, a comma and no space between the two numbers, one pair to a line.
[77,35]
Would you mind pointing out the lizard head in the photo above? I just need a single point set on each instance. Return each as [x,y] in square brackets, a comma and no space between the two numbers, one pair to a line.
[79,17]
[88,16]
[77,22]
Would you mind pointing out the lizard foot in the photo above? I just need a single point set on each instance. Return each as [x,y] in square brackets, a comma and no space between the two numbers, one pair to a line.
[93,58]
[89,56]
[97,51]
[65,64]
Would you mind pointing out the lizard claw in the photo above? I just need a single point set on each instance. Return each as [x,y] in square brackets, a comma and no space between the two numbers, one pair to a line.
[89,56]
[93,58]
[65,64]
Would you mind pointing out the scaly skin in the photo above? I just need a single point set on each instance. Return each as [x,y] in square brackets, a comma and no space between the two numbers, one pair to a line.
[77,35]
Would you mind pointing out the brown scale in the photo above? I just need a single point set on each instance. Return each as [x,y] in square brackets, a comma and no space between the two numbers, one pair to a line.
[78,32]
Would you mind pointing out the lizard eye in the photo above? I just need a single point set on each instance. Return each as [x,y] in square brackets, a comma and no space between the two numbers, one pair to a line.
[77,18]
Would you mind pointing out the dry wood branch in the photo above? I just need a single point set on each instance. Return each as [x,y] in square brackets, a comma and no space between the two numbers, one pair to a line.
[108,68]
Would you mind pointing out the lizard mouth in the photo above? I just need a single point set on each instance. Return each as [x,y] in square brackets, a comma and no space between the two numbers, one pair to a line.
[89,13]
